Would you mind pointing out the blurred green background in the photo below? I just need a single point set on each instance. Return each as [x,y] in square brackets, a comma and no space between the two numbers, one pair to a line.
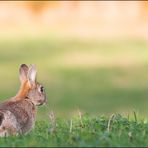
[91,63]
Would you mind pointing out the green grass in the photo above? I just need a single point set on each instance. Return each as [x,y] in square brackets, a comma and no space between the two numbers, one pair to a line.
[86,131]
[94,76]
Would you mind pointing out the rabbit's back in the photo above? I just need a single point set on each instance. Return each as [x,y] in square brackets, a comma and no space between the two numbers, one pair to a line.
[21,114]
[9,124]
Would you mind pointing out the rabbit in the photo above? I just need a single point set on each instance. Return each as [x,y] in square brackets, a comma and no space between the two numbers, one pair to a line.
[17,115]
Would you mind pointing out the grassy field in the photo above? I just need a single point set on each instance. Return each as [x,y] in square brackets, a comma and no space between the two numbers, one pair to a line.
[94,76]
[84,131]
[98,77]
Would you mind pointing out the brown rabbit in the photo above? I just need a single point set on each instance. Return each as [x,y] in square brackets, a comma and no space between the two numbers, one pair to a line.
[17,115]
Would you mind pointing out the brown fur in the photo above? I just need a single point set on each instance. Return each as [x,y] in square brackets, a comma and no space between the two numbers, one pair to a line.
[1,117]
[17,115]
[23,91]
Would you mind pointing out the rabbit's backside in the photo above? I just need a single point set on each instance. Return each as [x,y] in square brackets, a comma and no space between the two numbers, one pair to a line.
[17,115]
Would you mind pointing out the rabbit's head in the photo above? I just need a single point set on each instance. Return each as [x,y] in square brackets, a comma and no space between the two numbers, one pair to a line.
[30,88]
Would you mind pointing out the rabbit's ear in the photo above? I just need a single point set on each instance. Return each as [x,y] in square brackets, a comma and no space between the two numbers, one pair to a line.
[23,70]
[32,74]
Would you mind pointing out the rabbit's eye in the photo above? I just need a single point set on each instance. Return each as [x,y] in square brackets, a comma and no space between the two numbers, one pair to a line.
[42,89]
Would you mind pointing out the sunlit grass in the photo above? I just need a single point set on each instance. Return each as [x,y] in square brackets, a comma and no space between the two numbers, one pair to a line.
[96,76]
[84,131]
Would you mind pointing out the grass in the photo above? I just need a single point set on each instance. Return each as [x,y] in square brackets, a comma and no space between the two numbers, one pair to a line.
[96,76]
[84,131]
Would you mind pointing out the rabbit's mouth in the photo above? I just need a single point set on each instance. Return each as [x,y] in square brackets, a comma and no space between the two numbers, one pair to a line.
[40,102]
